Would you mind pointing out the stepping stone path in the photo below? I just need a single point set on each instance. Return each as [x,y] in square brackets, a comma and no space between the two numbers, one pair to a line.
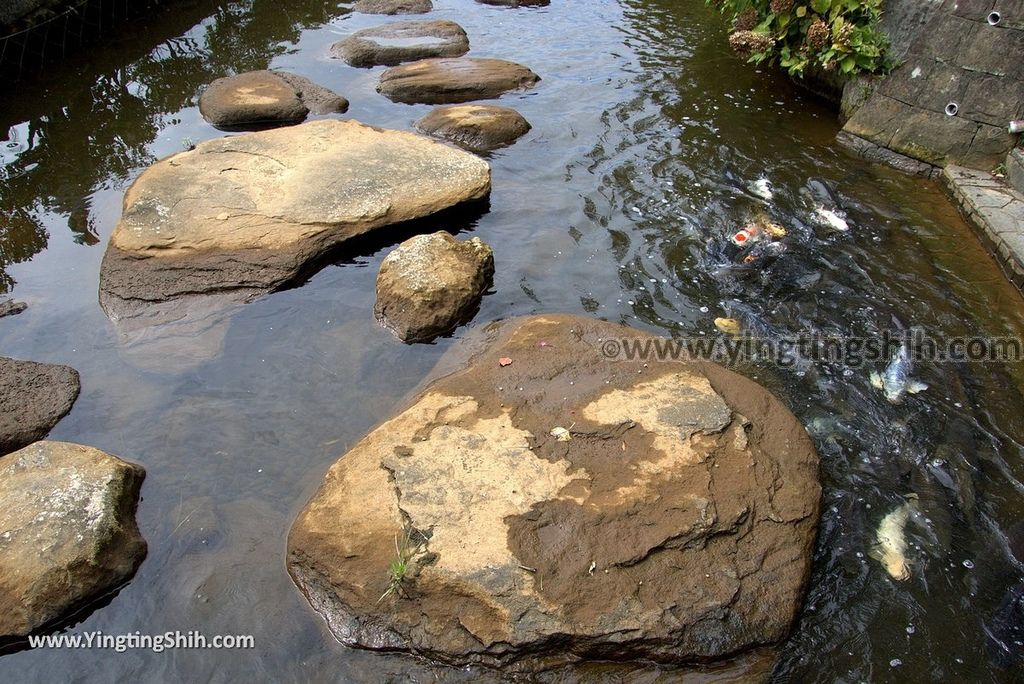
[245,214]
[476,127]
[453,80]
[265,98]
[67,513]
[430,283]
[33,398]
[403,41]
[552,504]
[393,6]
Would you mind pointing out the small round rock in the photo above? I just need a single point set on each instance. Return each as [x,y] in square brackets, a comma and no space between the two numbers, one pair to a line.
[479,128]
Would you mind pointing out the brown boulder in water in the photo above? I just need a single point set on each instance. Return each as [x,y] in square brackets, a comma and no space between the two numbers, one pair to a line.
[260,99]
[402,41]
[393,6]
[430,283]
[33,398]
[453,80]
[240,216]
[69,535]
[565,507]
[480,128]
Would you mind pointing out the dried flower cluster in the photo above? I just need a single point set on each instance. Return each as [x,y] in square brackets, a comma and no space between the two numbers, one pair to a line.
[781,6]
[746,20]
[746,43]
[818,35]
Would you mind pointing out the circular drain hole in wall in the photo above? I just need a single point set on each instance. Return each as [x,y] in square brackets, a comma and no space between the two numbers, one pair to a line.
[952,108]
[993,18]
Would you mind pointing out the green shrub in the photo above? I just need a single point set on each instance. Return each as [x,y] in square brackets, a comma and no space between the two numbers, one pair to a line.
[833,35]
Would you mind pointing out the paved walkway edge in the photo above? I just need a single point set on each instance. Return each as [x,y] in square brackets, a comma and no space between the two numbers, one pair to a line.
[996,211]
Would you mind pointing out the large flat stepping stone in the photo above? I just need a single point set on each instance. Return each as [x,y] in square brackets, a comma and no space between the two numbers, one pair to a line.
[67,516]
[402,41]
[430,283]
[453,80]
[480,128]
[259,99]
[245,214]
[547,503]
[33,398]
[393,6]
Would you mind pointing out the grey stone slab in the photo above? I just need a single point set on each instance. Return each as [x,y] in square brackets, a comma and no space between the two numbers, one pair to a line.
[988,148]
[1015,169]
[990,99]
[993,50]
[945,36]
[933,137]
[1011,13]
[927,83]
[975,10]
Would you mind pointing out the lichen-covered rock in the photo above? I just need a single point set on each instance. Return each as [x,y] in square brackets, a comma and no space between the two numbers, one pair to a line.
[393,6]
[402,41]
[476,127]
[552,505]
[240,216]
[453,80]
[265,98]
[430,283]
[33,398]
[67,516]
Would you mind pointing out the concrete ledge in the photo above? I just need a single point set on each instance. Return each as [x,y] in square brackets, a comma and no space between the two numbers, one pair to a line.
[873,152]
[996,211]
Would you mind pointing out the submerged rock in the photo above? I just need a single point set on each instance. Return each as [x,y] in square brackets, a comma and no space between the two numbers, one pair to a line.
[242,215]
[452,80]
[33,398]
[430,283]
[393,6]
[675,523]
[477,127]
[68,518]
[265,98]
[9,307]
[402,41]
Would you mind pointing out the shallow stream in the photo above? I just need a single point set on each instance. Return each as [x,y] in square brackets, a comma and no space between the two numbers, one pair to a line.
[646,134]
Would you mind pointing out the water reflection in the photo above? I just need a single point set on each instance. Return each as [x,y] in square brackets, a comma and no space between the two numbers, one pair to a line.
[94,119]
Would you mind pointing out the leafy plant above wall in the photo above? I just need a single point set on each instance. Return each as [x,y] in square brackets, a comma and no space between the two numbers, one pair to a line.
[835,35]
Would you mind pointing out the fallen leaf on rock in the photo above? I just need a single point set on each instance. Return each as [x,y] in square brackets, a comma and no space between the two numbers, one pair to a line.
[504,361]
[561,434]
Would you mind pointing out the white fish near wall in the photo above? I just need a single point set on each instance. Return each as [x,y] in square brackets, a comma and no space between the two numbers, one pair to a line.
[890,547]
[762,187]
[832,218]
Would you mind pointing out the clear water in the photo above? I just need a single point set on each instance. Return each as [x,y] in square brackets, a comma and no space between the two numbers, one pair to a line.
[646,132]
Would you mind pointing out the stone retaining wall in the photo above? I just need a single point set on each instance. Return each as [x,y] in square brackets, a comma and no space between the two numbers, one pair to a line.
[953,56]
